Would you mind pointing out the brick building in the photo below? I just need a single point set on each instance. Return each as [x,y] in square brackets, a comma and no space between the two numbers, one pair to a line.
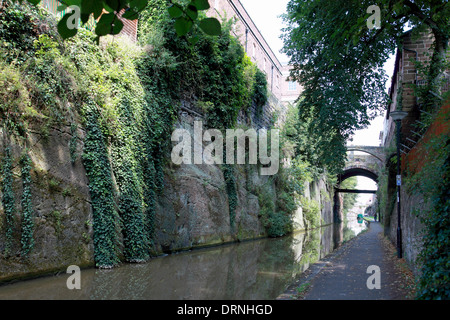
[401,92]
[257,49]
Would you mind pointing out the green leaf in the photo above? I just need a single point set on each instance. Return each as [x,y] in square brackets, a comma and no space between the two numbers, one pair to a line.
[104,24]
[84,17]
[63,28]
[136,6]
[201,4]
[191,12]
[182,26]
[35,2]
[117,26]
[89,6]
[175,11]
[194,39]
[113,4]
[139,4]
[130,15]
[210,26]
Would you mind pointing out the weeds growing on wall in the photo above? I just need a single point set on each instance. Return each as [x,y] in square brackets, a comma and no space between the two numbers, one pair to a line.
[311,211]
[299,152]
[230,187]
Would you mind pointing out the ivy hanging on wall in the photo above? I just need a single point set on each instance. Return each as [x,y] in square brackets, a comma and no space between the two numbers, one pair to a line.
[8,199]
[125,163]
[27,239]
[98,170]
[230,186]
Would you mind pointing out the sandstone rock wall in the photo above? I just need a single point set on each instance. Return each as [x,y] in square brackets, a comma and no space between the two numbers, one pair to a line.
[192,210]
[61,203]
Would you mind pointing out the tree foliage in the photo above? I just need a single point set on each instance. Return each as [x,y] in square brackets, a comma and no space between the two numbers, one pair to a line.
[338,60]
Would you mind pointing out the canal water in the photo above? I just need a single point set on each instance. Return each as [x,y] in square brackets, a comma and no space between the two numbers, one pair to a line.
[257,269]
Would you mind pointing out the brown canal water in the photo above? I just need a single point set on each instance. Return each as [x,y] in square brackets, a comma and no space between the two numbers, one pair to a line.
[251,270]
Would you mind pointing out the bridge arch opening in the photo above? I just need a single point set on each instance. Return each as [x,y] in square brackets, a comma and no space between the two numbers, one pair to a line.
[357,171]
[366,188]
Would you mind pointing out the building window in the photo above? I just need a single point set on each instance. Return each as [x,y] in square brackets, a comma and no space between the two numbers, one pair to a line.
[292,86]
[264,64]
[254,51]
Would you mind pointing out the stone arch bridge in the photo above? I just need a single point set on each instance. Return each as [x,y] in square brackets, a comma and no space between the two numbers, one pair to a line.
[367,163]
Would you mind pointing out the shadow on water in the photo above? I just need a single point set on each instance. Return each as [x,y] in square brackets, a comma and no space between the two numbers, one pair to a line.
[259,269]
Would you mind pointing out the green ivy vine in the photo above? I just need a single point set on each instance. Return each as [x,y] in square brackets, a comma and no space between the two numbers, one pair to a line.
[230,187]
[27,239]
[98,170]
[8,199]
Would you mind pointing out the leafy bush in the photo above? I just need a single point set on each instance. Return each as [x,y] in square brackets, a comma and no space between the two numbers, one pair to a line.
[18,29]
[259,92]
[14,101]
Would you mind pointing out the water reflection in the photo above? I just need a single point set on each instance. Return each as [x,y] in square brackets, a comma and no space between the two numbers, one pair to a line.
[260,269]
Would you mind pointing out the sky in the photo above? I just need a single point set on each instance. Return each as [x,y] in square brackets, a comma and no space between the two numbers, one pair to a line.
[266,15]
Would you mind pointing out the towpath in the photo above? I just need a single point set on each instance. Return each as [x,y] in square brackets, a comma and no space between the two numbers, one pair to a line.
[365,268]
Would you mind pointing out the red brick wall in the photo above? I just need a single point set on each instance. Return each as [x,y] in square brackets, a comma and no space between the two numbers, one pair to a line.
[129,27]
[418,155]
[407,69]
